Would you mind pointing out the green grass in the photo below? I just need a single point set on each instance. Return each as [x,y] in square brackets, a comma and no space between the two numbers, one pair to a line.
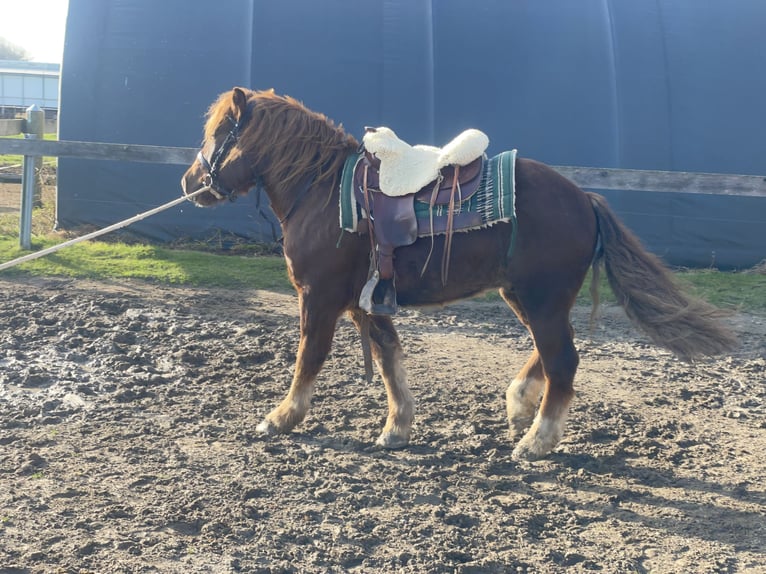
[742,291]
[102,260]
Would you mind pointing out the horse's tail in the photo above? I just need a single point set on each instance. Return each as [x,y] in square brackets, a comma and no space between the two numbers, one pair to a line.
[650,295]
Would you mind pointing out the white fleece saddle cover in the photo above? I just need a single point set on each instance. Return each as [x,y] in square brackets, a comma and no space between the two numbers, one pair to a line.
[405,169]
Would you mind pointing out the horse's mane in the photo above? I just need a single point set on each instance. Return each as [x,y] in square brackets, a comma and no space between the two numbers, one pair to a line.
[285,140]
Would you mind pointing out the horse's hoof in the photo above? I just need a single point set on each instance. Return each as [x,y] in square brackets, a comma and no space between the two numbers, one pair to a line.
[391,441]
[533,447]
[524,452]
[267,428]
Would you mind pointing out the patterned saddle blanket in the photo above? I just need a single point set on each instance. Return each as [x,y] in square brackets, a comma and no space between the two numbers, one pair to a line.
[488,198]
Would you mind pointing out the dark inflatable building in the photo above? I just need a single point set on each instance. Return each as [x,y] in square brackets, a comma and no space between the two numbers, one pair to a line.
[661,85]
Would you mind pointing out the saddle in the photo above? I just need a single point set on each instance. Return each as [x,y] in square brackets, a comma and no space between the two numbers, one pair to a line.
[404,169]
[389,180]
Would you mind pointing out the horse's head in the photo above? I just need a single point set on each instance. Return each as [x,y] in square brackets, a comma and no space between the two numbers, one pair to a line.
[221,169]
[261,138]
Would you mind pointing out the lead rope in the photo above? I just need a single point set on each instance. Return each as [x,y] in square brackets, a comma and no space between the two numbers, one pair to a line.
[114,227]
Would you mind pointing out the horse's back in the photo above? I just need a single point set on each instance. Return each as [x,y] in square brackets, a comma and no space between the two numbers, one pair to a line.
[556,223]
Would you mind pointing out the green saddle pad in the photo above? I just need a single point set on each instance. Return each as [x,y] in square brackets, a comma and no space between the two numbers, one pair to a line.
[493,202]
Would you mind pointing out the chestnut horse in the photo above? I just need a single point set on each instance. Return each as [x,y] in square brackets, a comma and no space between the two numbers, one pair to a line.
[296,155]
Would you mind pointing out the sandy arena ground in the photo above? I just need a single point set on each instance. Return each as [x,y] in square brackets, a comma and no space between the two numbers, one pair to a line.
[128,444]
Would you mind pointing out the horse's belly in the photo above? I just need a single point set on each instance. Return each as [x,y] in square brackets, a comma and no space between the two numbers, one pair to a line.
[477,263]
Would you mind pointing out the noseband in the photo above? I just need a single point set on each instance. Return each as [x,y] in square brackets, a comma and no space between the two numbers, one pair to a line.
[212,177]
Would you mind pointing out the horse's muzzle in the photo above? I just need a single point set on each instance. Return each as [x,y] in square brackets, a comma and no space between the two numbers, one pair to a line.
[201,197]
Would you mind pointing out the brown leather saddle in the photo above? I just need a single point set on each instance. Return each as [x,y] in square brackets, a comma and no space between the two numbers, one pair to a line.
[392,221]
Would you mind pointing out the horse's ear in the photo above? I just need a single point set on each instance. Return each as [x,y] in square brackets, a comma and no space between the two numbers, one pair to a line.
[239,101]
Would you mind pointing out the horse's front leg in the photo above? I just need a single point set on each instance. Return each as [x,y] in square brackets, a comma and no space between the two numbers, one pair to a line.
[317,329]
[388,355]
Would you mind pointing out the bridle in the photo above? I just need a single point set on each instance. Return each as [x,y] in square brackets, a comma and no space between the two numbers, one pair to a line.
[215,186]
[212,177]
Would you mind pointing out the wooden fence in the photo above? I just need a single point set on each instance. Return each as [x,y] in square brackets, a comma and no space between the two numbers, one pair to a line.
[105,151]
[586,177]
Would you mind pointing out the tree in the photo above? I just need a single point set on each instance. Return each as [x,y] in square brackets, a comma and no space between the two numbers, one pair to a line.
[10,51]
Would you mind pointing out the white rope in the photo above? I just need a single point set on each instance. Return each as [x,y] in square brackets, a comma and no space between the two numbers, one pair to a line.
[103,231]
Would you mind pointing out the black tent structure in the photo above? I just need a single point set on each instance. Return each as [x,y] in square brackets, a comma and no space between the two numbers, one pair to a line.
[665,85]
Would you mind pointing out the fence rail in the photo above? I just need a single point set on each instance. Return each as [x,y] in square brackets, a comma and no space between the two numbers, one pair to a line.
[587,177]
[665,181]
[103,151]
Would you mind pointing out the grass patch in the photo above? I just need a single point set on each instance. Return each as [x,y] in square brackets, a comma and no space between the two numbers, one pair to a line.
[101,260]
[739,291]
[249,265]
[254,267]
[742,291]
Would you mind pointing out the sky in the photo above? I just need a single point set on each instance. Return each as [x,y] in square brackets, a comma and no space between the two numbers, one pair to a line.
[35,25]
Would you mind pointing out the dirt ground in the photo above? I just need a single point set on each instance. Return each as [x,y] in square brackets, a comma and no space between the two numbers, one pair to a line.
[128,444]
[10,197]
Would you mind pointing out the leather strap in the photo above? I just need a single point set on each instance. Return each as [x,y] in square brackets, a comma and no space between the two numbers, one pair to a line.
[370,223]
[450,226]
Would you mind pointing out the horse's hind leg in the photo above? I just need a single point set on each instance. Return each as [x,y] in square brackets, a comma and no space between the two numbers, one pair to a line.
[554,345]
[553,339]
[523,394]
[318,321]
[388,355]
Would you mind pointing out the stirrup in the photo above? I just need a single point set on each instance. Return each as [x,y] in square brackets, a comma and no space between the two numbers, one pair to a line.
[378,298]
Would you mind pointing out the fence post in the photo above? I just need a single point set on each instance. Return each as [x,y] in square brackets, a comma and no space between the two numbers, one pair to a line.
[36,126]
[31,190]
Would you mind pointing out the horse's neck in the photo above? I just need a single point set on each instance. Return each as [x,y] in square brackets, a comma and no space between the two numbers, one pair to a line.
[287,184]
[305,198]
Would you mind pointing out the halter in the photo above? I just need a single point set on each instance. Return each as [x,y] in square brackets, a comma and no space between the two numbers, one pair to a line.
[219,191]
[212,177]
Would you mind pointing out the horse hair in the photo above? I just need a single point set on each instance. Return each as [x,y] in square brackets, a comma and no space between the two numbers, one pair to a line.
[651,296]
[285,139]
